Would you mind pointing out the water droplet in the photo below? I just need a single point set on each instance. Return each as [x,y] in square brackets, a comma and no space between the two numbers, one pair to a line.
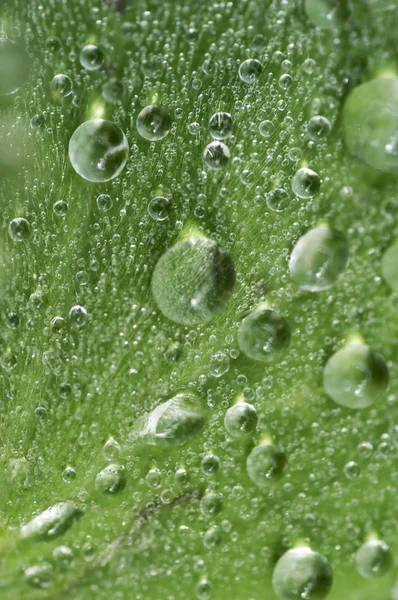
[61,86]
[365,449]
[203,589]
[370,120]
[278,200]
[212,537]
[216,155]
[318,128]
[318,259]
[63,556]
[153,123]
[52,522]
[19,229]
[210,464]
[355,376]
[193,281]
[77,315]
[111,479]
[104,202]
[113,91]
[241,419]
[159,208]
[154,478]
[303,575]
[91,57]
[111,450]
[266,128]
[98,150]
[373,559]
[220,125]
[14,67]
[250,70]
[264,334]
[69,475]
[285,81]
[352,470]
[322,13]
[389,266]
[219,364]
[60,208]
[37,122]
[306,183]
[12,320]
[39,576]
[265,464]
[211,504]
[175,421]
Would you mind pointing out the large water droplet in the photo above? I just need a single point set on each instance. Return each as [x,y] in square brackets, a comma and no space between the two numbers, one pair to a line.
[370,119]
[306,183]
[265,464]
[193,281]
[389,266]
[318,259]
[39,576]
[61,86]
[302,574]
[241,419]
[52,522]
[111,479]
[91,57]
[19,229]
[264,334]
[355,376]
[322,13]
[159,208]
[220,125]
[216,155]
[153,123]
[14,67]
[318,128]
[173,422]
[98,150]
[374,559]
[250,70]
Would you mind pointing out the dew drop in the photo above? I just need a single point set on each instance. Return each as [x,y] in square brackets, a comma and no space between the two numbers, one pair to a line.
[39,576]
[19,229]
[52,522]
[220,125]
[153,123]
[219,364]
[263,335]
[193,281]
[91,57]
[265,464]
[355,376]
[216,155]
[370,121]
[61,86]
[111,479]
[77,316]
[318,259]
[278,200]
[211,504]
[104,202]
[302,574]
[374,559]
[318,128]
[98,150]
[69,475]
[159,208]
[389,266]
[14,67]
[175,421]
[306,183]
[250,70]
[241,419]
